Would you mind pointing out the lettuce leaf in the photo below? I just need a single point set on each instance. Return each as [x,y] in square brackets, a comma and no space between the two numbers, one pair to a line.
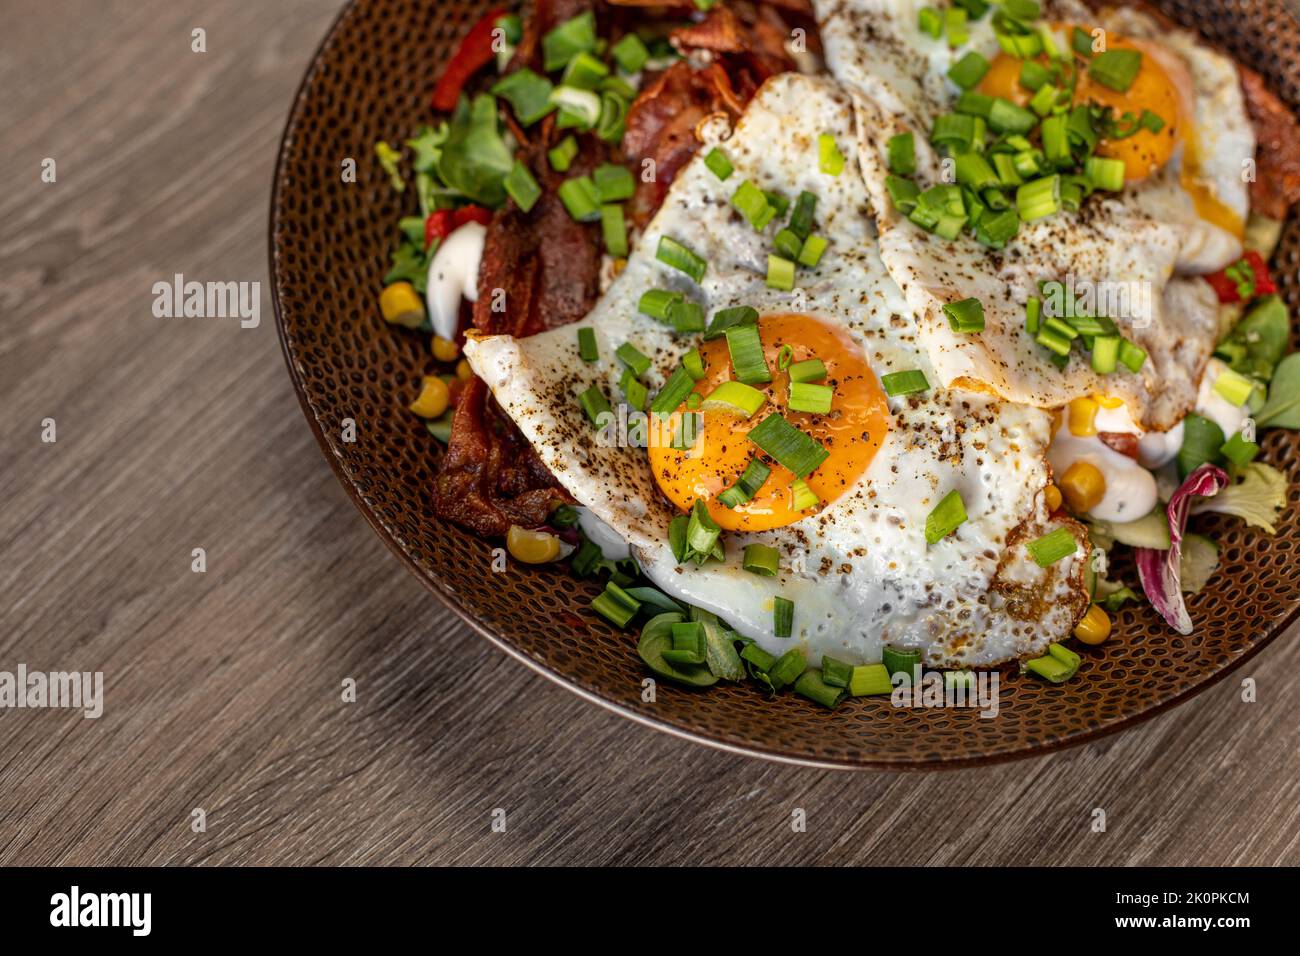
[1256,498]
[475,159]
[1199,561]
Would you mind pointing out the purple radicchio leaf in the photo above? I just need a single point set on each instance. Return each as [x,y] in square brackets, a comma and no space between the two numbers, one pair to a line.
[1158,570]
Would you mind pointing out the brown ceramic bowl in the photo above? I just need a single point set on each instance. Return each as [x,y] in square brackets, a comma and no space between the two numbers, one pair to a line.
[330,243]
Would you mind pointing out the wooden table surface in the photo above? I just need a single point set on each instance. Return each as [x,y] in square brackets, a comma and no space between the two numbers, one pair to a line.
[223,688]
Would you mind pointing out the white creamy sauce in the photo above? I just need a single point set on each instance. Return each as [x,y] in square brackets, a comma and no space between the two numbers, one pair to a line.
[612,545]
[453,275]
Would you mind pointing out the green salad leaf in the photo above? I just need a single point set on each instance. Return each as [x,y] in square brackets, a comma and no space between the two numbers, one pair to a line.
[475,159]
[427,147]
[1256,498]
[1197,562]
[1257,343]
[1282,410]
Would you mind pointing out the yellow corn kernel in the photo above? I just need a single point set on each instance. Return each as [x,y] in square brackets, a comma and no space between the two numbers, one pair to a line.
[1094,627]
[619,265]
[445,350]
[1105,401]
[463,371]
[1052,494]
[434,397]
[532,547]
[1083,486]
[1083,417]
[402,305]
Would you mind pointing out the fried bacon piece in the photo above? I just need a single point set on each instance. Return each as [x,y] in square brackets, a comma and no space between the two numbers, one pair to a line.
[1126,443]
[1277,174]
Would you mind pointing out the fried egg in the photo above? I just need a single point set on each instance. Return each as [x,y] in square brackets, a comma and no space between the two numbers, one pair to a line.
[1181,212]
[857,564]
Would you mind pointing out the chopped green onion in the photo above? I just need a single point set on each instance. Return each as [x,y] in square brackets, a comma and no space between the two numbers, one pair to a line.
[814,399]
[903,193]
[613,230]
[902,154]
[522,187]
[790,447]
[996,230]
[780,273]
[672,253]
[694,400]
[747,485]
[580,198]
[896,661]
[686,316]
[528,94]
[929,21]
[1102,173]
[1233,386]
[783,623]
[561,157]
[809,370]
[658,303]
[584,72]
[702,532]
[778,202]
[594,403]
[1105,354]
[1239,451]
[587,347]
[693,362]
[954,24]
[969,70]
[829,158]
[1052,547]
[760,658]
[718,163]
[1058,665]
[954,130]
[1081,42]
[630,53]
[801,220]
[1038,199]
[973,170]
[631,356]
[812,684]
[1043,101]
[1033,75]
[613,113]
[1033,314]
[904,383]
[586,558]
[734,397]
[634,391]
[835,672]
[616,605]
[578,107]
[787,668]
[946,517]
[760,559]
[687,643]
[679,385]
[1116,69]
[1132,355]
[811,253]
[869,680]
[725,319]
[802,497]
[1056,142]
[966,315]
[747,359]
[567,40]
[1050,339]
[613,182]
[1006,117]
[788,244]
[752,204]
[974,105]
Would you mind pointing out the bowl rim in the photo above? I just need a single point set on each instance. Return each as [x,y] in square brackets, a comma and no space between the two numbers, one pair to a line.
[450,600]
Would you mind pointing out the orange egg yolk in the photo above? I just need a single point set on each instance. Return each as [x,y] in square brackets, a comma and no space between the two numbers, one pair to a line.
[1145,152]
[852,431]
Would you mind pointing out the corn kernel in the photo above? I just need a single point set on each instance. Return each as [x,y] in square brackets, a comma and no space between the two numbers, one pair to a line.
[1083,417]
[1083,486]
[532,547]
[1052,495]
[1094,627]
[463,371]
[445,350]
[1105,401]
[401,304]
[619,265]
[434,397]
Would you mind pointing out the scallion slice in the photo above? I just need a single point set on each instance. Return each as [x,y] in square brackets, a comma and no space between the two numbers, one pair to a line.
[1103,173]
[735,397]
[702,532]
[947,516]
[528,94]
[904,383]
[613,230]
[801,220]
[594,403]
[718,163]
[1081,42]
[687,644]
[725,319]
[686,316]
[969,70]
[903,193]
[630,53]
[929,21]
[616,605]
[631,356]
[522,187]
[813,685]
[787,243]
[1033,75]
[1105,354]
[835,672]
[747,485]
[580,198]
[814,399]
[1133,356]
[811,253]
[809,370]
[564,42]
[679,385]
[790,447]
[561,156]
[658,303]
[578,107]
[1038,199]
[829,158]
[801,496]
[584,72]
[760,658]
[747,358]
[752,204]
[783,626]
[613,182]
[1238,450]
[1052,547]
[587,347]
[1115,69]
[1234,387]
[1006,117]
[675,255]
[954,26]
[780,273]
[869,680]
[973,170]
[693,362]
[760,559]
[965,316]
[902,154]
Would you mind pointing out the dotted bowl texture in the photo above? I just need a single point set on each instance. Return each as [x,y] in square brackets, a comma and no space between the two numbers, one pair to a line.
[330,241]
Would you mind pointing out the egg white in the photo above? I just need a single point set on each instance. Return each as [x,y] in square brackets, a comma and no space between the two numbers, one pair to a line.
[859,571]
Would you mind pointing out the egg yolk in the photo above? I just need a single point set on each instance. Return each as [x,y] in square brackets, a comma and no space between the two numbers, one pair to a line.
[1154,88]
[851,433]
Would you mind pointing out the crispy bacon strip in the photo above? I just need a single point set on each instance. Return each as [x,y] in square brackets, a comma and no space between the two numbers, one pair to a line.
[1277,173]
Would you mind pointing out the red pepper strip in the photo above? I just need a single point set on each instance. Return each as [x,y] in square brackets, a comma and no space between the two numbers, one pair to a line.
[474,53]
[443,222]
[1225,287]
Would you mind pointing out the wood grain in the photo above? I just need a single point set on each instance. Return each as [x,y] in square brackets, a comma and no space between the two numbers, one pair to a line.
[223,689]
